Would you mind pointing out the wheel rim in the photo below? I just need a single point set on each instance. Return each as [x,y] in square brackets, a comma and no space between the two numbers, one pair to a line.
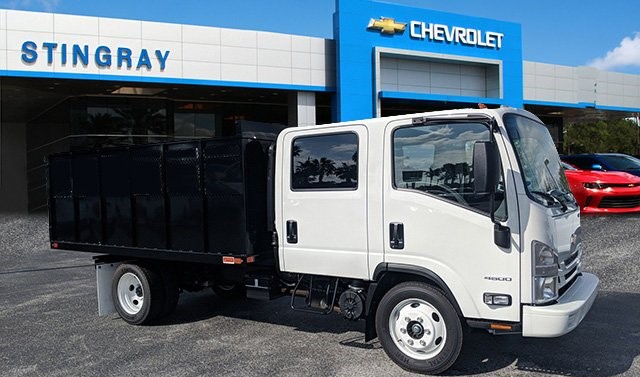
[130,293]
[418,329]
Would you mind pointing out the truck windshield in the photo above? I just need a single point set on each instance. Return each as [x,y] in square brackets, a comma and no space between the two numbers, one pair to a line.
[539,162]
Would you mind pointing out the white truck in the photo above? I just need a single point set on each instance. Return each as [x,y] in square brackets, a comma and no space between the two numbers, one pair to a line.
[421,225]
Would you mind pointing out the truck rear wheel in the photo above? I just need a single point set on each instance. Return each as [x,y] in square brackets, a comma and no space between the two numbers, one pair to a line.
[419,328]
[138,294]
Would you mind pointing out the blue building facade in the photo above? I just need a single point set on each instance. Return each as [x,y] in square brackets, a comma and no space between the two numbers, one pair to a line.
[454,58]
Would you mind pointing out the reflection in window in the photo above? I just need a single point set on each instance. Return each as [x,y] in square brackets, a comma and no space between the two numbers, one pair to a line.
[194,120]
[438,159]
[325,162]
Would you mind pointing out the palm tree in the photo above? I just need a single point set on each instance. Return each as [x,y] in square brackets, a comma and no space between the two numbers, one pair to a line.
[296,150]
[304,171]
[348,172]
[325,167]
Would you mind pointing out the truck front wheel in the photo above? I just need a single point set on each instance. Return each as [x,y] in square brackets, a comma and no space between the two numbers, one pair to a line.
[138,294]
[419,328]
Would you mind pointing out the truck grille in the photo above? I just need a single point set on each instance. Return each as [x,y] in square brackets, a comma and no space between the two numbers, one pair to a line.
[569,270]
[620,202]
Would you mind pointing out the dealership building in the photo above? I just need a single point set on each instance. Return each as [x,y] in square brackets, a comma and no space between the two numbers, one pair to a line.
[73,82]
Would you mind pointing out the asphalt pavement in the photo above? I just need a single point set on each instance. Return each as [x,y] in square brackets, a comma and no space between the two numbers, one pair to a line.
[49,324]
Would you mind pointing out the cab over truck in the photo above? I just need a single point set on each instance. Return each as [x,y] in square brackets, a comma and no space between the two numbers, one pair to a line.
[421,225]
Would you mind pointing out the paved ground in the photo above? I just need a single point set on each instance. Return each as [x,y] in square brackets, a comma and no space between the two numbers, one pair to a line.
[49,325]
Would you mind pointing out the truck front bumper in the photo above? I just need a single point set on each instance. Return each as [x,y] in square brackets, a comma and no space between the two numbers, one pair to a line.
[565,315]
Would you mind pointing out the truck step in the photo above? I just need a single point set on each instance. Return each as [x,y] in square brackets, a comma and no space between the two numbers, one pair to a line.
[318,295]
[263,287]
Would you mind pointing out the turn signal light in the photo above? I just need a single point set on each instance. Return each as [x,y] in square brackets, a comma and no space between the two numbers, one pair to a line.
[500,326]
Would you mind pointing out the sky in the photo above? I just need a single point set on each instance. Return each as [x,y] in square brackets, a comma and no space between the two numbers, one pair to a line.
[605,35]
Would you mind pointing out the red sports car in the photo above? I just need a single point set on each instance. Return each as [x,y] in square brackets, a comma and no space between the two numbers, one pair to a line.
[604,192]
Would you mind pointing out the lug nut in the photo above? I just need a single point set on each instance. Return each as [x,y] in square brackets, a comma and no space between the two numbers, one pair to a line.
[410,342]
[420,319]
[407,319]
[403,330]
[423,343]
[427,332]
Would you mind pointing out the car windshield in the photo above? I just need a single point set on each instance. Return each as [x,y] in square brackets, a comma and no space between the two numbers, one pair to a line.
[621,162]
[539,162]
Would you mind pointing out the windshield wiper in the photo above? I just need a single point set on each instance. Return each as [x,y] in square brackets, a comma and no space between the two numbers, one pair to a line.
[558,195]
[554,196]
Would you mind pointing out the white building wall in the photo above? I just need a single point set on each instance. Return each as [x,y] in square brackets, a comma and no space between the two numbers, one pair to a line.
[582,86]
[196,53]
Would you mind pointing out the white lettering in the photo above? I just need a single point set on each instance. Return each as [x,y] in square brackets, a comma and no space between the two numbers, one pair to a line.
[491,40]
[426,30]
[448,34]
[499,35]
[481,43]
[456,35]
[416,29]
[439,32]
[472,37]
[461,35]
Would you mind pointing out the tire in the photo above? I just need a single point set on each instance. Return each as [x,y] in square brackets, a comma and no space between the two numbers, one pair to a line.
[138,294]
[419,328]
[229,290]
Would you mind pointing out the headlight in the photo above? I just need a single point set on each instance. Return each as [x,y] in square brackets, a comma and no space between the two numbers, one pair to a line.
[545,272]
[595,185]
[546,289]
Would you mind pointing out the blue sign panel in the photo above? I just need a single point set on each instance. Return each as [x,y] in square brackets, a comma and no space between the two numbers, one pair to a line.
[362,26]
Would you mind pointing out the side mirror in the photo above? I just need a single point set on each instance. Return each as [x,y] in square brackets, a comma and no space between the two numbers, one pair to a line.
[486,175]
[486,167]
[596,167]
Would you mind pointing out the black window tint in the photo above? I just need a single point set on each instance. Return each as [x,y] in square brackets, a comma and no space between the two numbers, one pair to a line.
[438,159]
[325,162]
[583,162]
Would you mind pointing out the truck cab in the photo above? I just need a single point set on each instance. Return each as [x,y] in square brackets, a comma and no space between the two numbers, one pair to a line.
[449,219]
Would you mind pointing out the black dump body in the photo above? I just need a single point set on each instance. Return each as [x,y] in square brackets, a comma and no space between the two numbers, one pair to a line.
[195,201]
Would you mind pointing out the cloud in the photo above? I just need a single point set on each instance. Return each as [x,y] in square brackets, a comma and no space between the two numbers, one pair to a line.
[37,5]
[627,54]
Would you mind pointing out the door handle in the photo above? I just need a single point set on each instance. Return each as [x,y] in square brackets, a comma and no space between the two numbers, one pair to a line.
[396,235]
[292,231]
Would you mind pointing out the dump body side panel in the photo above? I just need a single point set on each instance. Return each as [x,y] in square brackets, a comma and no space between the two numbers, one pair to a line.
[190,201]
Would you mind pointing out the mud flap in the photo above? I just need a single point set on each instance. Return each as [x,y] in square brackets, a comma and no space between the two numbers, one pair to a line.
[104,276]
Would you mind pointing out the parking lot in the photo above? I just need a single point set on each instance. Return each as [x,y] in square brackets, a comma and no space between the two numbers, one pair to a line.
[49,324]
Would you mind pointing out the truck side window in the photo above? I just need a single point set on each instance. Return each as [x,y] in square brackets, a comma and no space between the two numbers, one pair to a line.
[325,162]
[438,159]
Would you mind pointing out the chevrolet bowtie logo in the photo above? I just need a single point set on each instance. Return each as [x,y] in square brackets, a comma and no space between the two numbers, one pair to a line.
[387,25]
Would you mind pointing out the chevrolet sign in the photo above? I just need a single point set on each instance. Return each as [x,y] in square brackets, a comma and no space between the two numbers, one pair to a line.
[456,34]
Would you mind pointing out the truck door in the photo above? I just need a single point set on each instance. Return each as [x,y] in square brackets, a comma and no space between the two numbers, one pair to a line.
[434,220]
[324,208]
